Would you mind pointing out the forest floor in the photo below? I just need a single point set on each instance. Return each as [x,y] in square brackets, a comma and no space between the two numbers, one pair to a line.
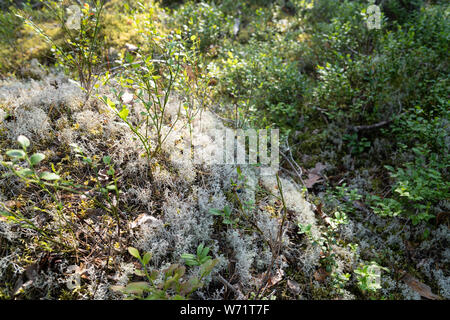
[101,197]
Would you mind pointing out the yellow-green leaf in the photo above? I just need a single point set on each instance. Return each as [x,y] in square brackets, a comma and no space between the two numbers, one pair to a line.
[134,252]
[123,114]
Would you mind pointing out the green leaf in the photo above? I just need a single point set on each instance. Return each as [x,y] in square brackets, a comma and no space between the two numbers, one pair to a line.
[215,212]
[129,58]
[200,249]
[109,103]
[15,153]
[190,259]
[204,259]
[134,252]
[205,251]
[106,159]
[158,295]
[207,267]
[189,286]
[139,273]
[49,176]
[179,272]
[188,256]
[146,258]
[227,210]
[123,114]
[111,187]
[170,282]
[24,142]
[170,270]
[154,275]
[25,172]
[137,287]
[36,158]
[6,214]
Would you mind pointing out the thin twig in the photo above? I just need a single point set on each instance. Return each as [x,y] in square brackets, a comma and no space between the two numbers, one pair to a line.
[238,294]
[275,252]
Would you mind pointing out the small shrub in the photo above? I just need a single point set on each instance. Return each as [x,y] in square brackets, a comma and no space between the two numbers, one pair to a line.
[81,42]
[169,283]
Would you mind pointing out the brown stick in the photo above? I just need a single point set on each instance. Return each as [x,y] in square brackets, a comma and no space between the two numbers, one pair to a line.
[371,126]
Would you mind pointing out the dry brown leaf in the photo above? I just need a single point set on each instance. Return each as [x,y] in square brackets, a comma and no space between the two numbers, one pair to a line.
[11,204]
[212,82]
[320,212]
[419,287]
[321,274]
[277,277]
[315,175]
[190,72]
[318,168]
[293,286]
[312,180]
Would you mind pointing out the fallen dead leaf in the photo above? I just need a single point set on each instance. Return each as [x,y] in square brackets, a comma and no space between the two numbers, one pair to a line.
[212,82]
[277,277]
[320,275]
[321,213]
[293,286]
[312,180]
[315,175]
[419,287]
[318,168]
[190,72]
[11,204]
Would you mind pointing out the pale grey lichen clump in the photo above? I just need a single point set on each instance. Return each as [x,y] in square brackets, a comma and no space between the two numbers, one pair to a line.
[30,103]
[443,282]
[30,121]
[186,221]
[408,293]
[52,114]
[52,108]
[295,201]
[244,253]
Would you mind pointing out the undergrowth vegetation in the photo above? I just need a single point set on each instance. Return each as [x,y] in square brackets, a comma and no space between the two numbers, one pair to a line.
[101,199]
